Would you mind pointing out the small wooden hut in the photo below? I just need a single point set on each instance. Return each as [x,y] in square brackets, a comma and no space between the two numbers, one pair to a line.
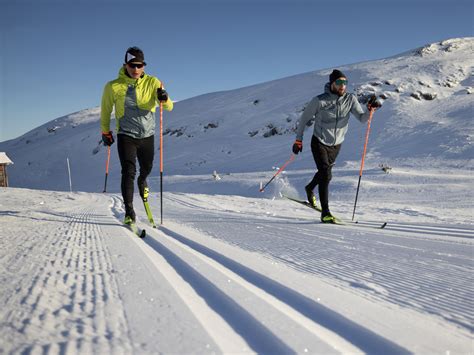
[4,161]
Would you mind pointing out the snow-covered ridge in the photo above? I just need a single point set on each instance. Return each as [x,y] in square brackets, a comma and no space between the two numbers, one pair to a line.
[427,113]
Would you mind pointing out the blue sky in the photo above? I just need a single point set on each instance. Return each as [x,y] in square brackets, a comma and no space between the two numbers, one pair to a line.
[57,55]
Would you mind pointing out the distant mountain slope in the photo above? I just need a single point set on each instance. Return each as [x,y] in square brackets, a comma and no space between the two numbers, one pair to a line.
[427,113]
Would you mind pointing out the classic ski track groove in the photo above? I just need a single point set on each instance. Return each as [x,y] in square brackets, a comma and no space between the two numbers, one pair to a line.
[333,339]
[391,226]
[333,259]
[221,332]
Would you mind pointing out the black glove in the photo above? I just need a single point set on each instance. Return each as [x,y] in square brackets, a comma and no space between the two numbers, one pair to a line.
[373,103]
[108,138]
[297,147]
[162,95]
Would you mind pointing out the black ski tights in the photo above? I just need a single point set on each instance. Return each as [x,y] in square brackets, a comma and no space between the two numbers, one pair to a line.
[129,150]
[325,157]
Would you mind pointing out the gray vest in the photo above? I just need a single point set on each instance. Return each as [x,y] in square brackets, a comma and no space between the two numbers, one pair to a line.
[136,123]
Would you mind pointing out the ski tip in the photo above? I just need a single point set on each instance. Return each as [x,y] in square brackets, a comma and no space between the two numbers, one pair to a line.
[383,225]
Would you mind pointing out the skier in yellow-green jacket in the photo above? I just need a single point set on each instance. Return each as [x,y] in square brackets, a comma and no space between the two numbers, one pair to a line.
[134,95]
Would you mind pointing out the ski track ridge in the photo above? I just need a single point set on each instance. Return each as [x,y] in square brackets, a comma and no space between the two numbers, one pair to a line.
[214,277]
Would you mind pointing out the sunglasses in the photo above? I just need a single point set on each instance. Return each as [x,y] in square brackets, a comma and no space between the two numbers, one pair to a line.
[136,65]
[340,82]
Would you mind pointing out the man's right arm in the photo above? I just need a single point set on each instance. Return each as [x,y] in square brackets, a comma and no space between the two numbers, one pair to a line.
[106,108]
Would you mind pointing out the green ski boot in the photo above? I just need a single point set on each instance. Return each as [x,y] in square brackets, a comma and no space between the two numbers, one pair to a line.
[327,217]
[311,198]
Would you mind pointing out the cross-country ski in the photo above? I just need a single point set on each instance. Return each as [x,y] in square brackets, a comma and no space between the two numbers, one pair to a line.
[337,220]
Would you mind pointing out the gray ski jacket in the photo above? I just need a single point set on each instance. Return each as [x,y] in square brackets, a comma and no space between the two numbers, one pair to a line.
[331,113]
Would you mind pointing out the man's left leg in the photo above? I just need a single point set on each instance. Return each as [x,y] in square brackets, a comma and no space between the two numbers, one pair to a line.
[145,155]
[325,169]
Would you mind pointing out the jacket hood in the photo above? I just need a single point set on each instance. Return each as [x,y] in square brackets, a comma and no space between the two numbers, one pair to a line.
[327,88]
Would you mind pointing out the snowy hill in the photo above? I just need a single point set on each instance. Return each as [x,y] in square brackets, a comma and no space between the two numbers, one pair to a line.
[427,114]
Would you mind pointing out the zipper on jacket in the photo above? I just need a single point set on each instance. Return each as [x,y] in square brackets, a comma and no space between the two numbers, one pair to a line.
[335,127]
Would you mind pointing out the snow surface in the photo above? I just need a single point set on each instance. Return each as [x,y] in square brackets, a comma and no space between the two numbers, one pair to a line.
[226,274]
[233,270]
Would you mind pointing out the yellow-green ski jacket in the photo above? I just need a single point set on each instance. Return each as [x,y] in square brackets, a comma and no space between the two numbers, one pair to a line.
[135,102]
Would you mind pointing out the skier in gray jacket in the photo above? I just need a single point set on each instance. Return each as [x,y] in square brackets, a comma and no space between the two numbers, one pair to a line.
[331,112]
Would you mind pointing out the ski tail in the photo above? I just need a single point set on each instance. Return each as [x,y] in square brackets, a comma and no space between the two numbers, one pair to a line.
[148,213]
[144,195]
[140,233]
[338,220]
[303,202]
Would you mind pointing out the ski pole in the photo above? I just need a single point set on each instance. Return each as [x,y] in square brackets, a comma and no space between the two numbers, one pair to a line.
[161,160]
[107,168]
[279,171]
[363,159]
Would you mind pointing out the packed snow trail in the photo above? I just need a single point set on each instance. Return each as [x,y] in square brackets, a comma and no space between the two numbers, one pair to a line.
[254,309]
[221,275]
